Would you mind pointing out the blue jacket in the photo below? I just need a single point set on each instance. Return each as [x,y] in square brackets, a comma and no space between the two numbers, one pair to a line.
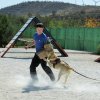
[40,41]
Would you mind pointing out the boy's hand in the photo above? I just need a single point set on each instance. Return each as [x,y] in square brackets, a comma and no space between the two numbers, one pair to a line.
[29,45]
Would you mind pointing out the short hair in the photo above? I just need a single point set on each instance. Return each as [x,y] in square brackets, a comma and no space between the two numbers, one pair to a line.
[39,25]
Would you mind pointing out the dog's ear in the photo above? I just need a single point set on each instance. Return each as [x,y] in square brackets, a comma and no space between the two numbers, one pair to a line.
[48,47]
[45,46]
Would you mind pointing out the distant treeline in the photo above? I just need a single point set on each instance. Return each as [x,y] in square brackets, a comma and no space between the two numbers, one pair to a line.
[9,24]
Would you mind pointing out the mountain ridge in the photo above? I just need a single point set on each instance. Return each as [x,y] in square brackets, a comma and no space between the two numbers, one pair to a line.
[47,8]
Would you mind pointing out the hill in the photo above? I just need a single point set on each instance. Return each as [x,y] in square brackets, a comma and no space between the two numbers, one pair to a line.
[47,8]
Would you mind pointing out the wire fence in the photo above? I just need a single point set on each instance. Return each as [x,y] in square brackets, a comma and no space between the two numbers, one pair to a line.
[85,39]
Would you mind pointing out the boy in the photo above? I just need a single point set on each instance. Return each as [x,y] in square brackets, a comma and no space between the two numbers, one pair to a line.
[40,39]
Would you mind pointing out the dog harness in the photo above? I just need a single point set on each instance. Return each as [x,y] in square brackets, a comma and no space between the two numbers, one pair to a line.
[56,61]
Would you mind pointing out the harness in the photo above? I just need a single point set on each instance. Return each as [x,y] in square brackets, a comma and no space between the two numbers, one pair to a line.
[56,61]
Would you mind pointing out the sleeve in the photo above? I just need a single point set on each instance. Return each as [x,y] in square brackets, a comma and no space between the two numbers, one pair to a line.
[46,40]
[34,36]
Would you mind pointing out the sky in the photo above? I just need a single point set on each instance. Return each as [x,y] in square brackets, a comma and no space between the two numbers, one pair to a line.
[6,3]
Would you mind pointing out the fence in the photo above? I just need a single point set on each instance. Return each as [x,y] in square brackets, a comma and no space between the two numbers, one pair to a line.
[86,39]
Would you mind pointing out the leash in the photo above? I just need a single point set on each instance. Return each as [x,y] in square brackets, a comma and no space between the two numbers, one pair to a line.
[82,74]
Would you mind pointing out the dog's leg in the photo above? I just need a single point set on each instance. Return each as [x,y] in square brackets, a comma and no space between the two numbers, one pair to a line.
[59,76]
[50,65]
[66,77]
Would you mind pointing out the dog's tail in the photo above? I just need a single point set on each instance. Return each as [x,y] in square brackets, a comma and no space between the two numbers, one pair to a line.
[83,75]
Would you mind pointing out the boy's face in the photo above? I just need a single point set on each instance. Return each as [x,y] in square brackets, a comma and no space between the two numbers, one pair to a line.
[39,30]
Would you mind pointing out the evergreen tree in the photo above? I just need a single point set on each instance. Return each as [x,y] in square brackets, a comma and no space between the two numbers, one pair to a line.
[5,30]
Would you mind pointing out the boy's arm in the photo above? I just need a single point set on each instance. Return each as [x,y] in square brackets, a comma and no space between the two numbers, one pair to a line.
[30,45]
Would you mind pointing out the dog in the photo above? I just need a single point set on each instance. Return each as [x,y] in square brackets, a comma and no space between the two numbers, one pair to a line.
[57,63]
[49,55]
[42,54]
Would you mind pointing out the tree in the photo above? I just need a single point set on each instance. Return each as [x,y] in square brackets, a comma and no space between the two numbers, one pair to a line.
[5,30]
[91,22]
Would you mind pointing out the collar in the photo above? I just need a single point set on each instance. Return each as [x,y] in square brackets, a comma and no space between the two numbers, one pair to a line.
[56,61]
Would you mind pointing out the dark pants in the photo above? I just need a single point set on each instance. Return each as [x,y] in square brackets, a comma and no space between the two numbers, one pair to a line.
[35,62]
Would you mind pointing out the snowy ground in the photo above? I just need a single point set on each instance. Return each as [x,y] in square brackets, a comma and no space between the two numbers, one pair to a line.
[15,78]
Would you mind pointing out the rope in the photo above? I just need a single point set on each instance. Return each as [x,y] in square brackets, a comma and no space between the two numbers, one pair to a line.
[82,74]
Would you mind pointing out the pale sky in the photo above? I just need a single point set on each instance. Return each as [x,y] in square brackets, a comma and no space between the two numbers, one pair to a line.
[6,3]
